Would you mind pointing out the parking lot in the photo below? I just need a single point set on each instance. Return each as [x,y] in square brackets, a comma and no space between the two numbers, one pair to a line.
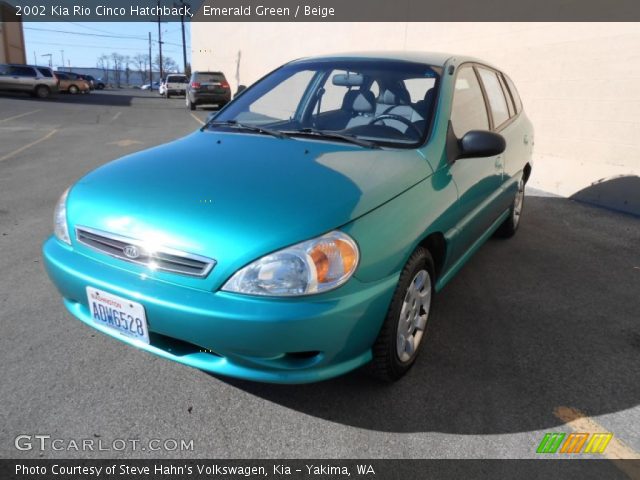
[533,333]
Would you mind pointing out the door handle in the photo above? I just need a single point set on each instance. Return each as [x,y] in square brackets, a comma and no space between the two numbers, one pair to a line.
[498,161]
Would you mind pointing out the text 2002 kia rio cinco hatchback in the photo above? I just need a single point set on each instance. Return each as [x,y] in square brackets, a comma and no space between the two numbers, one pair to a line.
[304,231]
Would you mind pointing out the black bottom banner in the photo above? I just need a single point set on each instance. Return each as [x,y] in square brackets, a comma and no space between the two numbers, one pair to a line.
[315,469]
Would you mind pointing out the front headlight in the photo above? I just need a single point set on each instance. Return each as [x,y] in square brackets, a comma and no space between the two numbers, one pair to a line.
[60,229]
[314,266]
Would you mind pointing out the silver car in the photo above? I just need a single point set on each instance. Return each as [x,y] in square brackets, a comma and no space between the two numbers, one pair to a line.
[37,81]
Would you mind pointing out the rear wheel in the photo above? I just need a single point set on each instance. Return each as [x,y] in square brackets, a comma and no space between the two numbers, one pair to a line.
[190,104]
[73,89]
[42,91]
[403,330]
[510,226]
[167,94]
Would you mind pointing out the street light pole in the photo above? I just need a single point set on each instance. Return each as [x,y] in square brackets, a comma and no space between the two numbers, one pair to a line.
[184,43]
[160,42]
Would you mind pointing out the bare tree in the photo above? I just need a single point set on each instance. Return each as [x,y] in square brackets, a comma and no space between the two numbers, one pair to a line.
[169,65]
[104,65]
[140,64]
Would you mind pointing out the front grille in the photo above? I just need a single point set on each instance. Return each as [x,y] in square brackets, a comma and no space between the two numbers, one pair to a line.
[134,251]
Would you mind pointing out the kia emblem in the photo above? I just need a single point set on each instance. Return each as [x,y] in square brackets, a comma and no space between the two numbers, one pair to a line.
[131,251]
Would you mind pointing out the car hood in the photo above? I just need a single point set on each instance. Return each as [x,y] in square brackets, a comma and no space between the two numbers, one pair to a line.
[234,197]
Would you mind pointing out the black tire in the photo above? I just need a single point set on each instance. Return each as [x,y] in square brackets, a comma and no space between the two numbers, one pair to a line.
[73,89]
[190,104]
[42,91]
[510,226]
[386,364]
[167,95]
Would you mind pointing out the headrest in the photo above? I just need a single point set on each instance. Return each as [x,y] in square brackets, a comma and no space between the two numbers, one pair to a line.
[364,102]
[349,98]
[398,97]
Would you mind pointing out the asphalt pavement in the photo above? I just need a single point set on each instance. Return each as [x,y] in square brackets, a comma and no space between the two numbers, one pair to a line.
[533,330]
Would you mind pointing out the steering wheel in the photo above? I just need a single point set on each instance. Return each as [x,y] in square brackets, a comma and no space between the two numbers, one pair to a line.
[392,116]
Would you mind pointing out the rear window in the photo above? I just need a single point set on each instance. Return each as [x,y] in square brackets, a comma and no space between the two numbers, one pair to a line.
[177,79]
[208,77]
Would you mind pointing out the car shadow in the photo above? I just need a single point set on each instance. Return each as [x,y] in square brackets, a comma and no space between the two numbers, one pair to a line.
[546,319]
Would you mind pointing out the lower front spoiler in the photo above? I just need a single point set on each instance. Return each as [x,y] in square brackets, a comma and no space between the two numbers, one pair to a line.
[212,363]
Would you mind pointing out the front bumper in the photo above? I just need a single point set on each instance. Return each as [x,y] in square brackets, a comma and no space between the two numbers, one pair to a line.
[297,340]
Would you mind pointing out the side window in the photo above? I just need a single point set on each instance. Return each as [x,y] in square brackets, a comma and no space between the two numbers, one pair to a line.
[4,70]
[497,101]
[23,71]
[281,103]
[45,72]
[514,93]
[507,95]
[468,111]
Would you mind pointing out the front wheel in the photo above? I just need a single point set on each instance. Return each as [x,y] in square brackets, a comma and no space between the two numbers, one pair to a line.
[510,226]
[42,91]
[73,90]
[402,333]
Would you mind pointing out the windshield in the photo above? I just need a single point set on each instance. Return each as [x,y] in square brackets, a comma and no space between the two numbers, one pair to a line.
[386,102]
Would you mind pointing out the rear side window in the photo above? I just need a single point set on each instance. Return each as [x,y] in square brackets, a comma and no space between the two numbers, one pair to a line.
[208,77]
[507,95]
[62,76]
[514,94]
[45,72]
[468,111]
[497,101]
[20,71]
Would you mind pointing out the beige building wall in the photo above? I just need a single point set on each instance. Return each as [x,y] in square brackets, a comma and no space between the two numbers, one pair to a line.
[11,38]
[580,82]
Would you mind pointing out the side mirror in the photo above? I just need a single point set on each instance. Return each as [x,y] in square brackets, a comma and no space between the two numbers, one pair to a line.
[481,143]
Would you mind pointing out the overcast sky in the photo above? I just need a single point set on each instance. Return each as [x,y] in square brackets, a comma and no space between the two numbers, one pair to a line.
[83,43]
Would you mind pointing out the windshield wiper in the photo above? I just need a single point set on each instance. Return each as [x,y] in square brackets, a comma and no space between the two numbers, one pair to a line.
[333,135]
[244,126]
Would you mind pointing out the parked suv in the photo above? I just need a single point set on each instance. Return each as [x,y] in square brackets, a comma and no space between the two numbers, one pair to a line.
[207,88]
[37,81]
[173,85]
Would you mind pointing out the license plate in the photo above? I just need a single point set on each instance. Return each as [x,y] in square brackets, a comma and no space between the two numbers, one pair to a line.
[212,87]
[119,314]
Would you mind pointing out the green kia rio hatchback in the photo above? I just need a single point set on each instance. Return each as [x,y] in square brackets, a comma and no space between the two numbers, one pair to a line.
[306,229]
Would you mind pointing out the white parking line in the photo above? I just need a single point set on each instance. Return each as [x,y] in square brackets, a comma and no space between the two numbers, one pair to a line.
[28,145]
[197,119]
[115,117]
[18,116]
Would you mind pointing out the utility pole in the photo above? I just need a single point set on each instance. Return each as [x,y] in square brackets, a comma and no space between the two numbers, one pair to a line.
[150,63]
[35,62]
[184,43]
[160,42]
[50,58]
[62,53]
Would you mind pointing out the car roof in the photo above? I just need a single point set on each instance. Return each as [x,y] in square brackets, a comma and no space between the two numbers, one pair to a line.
[438,59]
